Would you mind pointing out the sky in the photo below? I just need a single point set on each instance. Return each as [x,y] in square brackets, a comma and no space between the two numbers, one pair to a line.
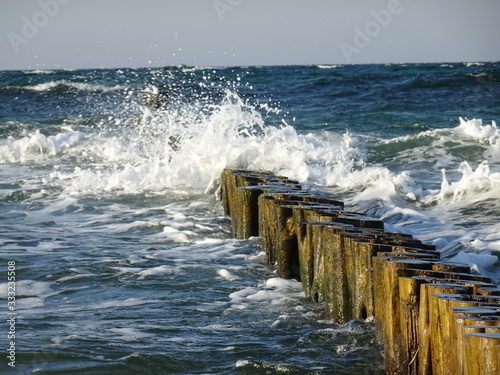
[72,34]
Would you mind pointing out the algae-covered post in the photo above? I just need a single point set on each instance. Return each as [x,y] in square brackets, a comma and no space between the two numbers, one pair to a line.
[432,317]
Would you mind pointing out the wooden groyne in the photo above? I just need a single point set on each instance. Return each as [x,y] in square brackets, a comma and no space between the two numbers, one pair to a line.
[432,317]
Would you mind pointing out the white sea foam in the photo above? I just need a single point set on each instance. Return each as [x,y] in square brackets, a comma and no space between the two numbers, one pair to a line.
[28,288]
[36,72]
[181,148]
[178,235]
[381,182]
[75,85]
[232,135]
[78,276]
[30,294]
[468,130]
[225,274]
[489,134]
[274,291]
[129,302]
[128,334]
[188,146]
[334,66]
[264,366]
[469,64]
[437,215]
[37,146]
[472,183]
[478,262]
[157,271]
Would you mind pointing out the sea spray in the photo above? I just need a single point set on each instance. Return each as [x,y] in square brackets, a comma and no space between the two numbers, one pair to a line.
[111,202]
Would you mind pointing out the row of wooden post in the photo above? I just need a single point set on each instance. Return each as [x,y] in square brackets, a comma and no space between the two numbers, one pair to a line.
[432,317]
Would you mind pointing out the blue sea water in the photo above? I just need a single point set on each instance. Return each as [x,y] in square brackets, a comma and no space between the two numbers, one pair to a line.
[124,261]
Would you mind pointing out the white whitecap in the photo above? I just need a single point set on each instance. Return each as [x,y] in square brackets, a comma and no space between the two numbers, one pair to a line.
[225,274]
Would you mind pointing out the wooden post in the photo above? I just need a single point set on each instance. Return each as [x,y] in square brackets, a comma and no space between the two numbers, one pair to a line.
[433,317]
[481,353]
[390,323]
[335,282]
[442,327]
[409,300]
[364,300]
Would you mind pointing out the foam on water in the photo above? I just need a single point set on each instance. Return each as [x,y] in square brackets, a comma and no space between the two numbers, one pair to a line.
[36,72]
[187,145]
[46,86]
[37,146]
[112,191]
[225,274]
[475,185]
[274,291]
[30,294]
[488,134]
[232,136]
[155,271]
[333,66]
[478,262]
[183,147]
[128,334]
[457,217]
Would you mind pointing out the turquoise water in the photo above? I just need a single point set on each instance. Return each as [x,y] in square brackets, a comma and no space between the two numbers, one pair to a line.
[124,261]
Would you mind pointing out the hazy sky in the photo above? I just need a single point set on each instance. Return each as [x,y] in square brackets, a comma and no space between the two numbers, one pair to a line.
[48,34]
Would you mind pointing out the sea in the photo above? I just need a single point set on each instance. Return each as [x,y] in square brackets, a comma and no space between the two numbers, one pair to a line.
[116,256]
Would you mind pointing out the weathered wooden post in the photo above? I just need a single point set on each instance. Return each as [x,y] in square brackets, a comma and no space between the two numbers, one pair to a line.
[482,353]
[433,317]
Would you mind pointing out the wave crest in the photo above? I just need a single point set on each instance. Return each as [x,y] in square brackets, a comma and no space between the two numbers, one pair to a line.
[64,84]
[472,183]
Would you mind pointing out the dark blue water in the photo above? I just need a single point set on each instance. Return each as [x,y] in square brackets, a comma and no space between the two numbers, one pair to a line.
[109,206]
